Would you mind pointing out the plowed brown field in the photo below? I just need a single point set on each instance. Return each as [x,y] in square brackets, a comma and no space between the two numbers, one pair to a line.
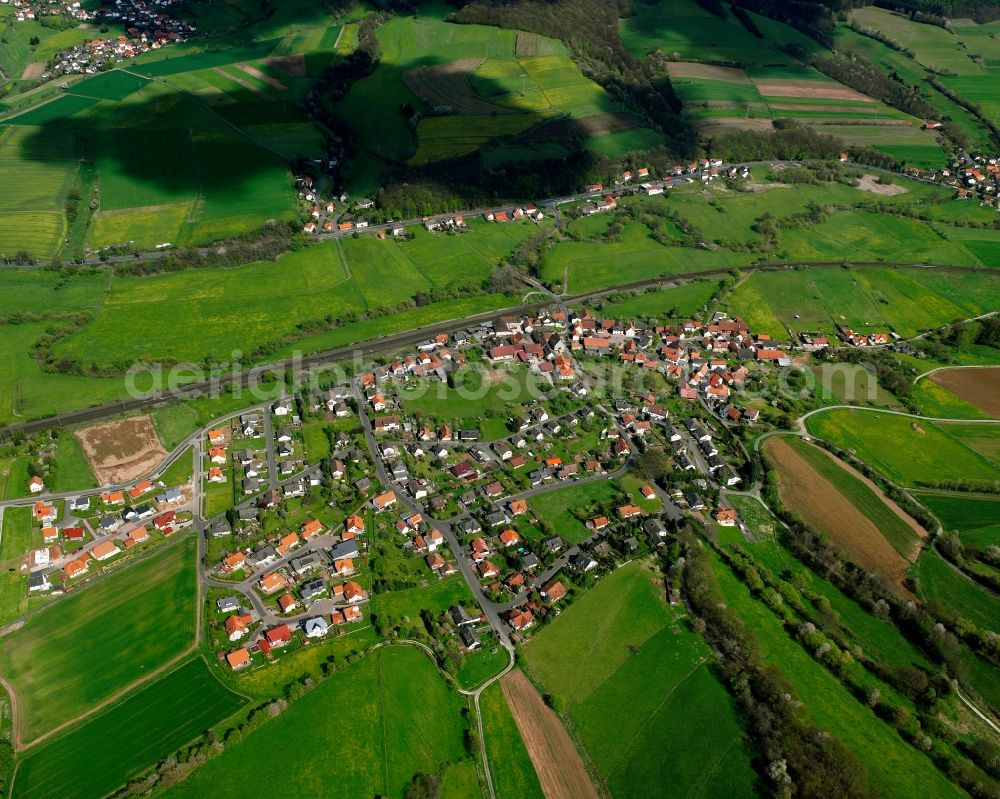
[812,497]
[980,387]
[558,764]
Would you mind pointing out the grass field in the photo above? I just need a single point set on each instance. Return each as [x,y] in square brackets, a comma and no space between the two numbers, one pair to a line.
[976,519]
[72,469]
[124,613]
[878,638]
[620,646]
[95,758]
[937,401]
[906,301]
[478,393]
[242,307]
[908,451]
[403,607]
[35,190]
[939,584]
[403,719]
[479,87]
[555,506]
[673,304]
[28,392]
[14,543]
[685,28]
[170,168]
[636,256]
[513,773]
[895,769]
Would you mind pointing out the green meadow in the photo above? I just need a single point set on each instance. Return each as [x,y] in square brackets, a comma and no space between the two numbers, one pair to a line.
[403,719]
[943,587]
[893,767]
[513,773]
[189,314]
[93,759]
[126,613]
[15,541]
[905,301]
[676,303]
[976,519]
[620,646]
[907,450]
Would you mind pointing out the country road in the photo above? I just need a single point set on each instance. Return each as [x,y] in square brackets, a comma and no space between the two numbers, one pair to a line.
[801,421]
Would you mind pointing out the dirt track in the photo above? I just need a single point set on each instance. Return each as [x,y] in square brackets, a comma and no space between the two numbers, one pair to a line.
[814,498]
[558,764]
[980,387]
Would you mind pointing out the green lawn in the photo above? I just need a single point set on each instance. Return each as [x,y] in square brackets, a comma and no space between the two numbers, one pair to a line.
[176,422]
[893,445]
[555,507]
[180,471]
[94,758]
[895,769]
[477,667]
[513,773]
[620,646]
[403,607]
[72,469]
[372,726]
[58,661]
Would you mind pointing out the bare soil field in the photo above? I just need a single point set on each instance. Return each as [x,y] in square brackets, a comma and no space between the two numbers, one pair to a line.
[980,387]
[818,502]
[806,88]
[526,45]
[870,183]
[122,450]
[256,73]
[806,107]
[593,125]
[448,85]
[557,763]
[294,65]
[912,523]
[691,69]
[717,124]
[33,70]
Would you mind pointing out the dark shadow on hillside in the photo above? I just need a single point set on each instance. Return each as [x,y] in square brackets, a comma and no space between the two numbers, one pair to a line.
[178,146]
